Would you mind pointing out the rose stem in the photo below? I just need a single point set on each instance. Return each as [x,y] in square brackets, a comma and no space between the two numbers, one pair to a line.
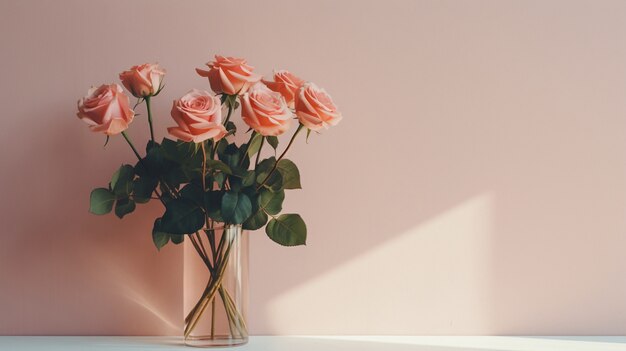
[227,310]
[281,156]
[208,294]
[147,98]
[206,218]
[213,318]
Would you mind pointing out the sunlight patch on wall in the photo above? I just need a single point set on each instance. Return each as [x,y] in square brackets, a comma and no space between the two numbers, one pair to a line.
[433,277]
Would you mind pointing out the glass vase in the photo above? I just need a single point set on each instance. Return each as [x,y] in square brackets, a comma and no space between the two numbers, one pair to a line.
[216,287]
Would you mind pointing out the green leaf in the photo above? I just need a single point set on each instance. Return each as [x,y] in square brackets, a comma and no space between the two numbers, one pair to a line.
[101,201]
[230,155]
[150,145]
[172,149]
[176,176]
[290,173]
[156,162]
[177,239]
[264,167]
[217,165]
[159,237]
[287,230]
[124,207]
[213,205]
[271,202]
[308,133]
[219,179]
[194,193]
[256,221]
[221,146]
[275,181]
[122,180]
[249,178]
[235,183]
[231,127]
[182,216]
[273,141]
[143,189]
[236,207]
[254,145]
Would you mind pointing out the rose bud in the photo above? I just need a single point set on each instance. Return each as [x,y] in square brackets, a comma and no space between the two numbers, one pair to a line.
[143,80]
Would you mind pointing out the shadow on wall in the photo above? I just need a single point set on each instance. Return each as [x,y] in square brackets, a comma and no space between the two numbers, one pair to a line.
[71,272]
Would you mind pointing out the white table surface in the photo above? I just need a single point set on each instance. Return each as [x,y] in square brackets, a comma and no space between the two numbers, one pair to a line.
[322,343]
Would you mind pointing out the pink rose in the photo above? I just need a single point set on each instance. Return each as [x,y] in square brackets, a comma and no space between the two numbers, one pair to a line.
[143,80]
[315,109]
[286,84]
[265,111]
[106,109]
[199,117]
[229,75]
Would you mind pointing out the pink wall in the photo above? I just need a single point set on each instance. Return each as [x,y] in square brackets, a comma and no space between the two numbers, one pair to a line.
[477,184]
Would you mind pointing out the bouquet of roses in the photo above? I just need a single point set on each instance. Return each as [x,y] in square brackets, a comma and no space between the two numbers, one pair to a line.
[204,179]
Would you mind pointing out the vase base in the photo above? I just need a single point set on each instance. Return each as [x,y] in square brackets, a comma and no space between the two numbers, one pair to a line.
[217,341]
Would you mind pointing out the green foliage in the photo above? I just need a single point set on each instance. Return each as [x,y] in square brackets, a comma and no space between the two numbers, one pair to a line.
[182,216]
[248,178]
[219,179]
[122,180]
[194,193]
[274,182]
[143,188]
[159,237]
[265,168]
[235,158]
[213,205]
[177,239]
[124,207]
[290,174]
[235,190]
[256,221]
[271,202]
[273,141]
[101,201]
[254,145]
[217,165]
[231,127]
[287,230]
[236,207]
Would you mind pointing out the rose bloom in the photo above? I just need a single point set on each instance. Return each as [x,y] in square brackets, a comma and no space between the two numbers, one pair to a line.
[315,108]
[229,75]
[143,80]
[286,84]
[199,117]
[265,111]
[106,109]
